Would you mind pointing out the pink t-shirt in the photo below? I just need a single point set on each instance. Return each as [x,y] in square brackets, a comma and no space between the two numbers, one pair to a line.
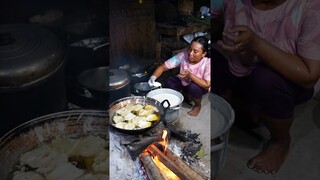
[201,69]
[294,26]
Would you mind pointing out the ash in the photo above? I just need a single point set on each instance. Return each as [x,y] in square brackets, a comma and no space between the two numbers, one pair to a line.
[187,150]
[121,164]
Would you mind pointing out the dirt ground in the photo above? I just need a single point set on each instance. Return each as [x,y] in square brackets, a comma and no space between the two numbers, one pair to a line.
[199,124]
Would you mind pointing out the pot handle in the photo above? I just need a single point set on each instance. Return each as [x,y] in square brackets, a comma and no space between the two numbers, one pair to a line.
[165,110]
[162,103]
[85,92]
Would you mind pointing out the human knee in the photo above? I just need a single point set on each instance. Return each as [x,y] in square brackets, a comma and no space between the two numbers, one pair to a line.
[172,82]
[266,83]
[195,91]
[271,93]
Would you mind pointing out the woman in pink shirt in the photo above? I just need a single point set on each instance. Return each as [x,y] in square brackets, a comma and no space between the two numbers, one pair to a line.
[194,75]
[271,56]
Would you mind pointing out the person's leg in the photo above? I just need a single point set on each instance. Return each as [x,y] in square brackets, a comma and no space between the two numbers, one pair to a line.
[274,98]
[221,77]
[233,89]
[271,158]
[195,93]
[174,83]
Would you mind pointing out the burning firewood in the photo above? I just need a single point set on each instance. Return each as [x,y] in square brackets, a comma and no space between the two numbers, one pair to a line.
[153,172]
[175,164]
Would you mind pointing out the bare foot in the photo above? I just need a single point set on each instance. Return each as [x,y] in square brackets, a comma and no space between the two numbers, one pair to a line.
[270,159]
[194,111]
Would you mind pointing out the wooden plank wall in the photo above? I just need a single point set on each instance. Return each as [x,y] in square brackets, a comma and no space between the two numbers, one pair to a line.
[132,30]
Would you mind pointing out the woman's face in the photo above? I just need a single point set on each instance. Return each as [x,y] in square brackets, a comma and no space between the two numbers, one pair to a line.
[195,52]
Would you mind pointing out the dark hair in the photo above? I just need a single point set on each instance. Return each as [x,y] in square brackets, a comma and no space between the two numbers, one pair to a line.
[203,41]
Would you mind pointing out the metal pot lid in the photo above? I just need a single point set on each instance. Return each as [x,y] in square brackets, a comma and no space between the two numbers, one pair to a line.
[95,78]
[103,79]
[118,79]
[28,54]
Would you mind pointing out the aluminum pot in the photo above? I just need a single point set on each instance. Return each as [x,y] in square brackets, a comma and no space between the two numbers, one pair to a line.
[32,66]
[175,99]
[98,87]
[136,100]
[222,118]
[27,136]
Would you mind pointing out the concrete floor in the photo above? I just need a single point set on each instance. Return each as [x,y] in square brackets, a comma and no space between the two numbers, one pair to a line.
[198,124]
[303,160]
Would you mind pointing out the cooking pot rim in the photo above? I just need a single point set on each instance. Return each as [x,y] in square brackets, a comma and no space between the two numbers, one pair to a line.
[131,99]
[170,91]
[48,118]
[225,109]
[118,84]
[31,133]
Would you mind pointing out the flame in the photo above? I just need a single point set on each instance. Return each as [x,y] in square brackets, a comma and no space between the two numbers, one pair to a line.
[164,141]
[165,170]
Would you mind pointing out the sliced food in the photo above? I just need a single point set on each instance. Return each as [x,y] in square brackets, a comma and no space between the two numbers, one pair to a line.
[144,124]
[117,119]
[152,117]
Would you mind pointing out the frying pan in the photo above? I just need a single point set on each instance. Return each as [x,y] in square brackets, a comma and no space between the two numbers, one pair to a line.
[137,100]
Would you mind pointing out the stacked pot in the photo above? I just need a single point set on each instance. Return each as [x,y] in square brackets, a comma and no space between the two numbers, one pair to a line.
[31,74]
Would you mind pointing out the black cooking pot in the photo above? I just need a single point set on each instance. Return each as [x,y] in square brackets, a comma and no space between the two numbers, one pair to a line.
[137,100]
[143,88]
[84,54]
[97,87]
[31,74]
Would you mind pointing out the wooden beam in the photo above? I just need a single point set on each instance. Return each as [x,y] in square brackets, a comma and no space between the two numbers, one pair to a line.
[153,172]
[175,164]
[184,166]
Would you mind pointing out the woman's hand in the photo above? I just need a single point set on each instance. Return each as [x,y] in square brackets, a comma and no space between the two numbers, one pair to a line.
[242,39]
[184,74]
[300,70]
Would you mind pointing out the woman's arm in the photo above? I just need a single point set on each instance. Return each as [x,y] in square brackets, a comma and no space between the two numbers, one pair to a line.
[158,72]
[300,70]
[199,81]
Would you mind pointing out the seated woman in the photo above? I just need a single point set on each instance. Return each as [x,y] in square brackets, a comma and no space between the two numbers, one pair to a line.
[194,76]
[271,58]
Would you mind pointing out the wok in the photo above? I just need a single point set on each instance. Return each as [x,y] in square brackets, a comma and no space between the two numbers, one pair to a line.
[137,100]
[27,136]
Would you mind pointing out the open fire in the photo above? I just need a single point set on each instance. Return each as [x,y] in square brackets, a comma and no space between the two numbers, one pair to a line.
[161,163]
[133,155]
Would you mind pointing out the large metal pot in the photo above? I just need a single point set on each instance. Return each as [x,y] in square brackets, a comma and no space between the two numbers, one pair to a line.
[136,100]
[98,87]
[31,74]
[222,118]
[175,99]
[75,123]
[83,55]
[119,81]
